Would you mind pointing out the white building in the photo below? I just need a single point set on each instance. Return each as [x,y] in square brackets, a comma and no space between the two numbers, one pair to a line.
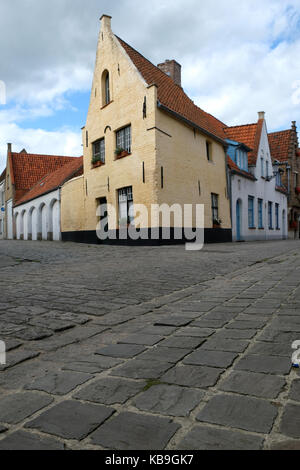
[37,213]
[258,198]
[2,204]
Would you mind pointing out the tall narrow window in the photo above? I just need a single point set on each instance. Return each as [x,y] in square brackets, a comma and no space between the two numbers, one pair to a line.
[270,215]
[106,93]
[262,170]
[123,137]
[267,170]
[277,216]
[260,213]
[215,208]
[208,151]
[99,151]
[107,90]
[125,207]
[251,212]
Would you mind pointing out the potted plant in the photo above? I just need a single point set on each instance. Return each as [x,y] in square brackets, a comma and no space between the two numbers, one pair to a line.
[96,161]
[120,152]
[217,223]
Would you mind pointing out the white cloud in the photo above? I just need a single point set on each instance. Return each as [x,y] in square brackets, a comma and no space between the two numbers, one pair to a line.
[238,57]
[63,142]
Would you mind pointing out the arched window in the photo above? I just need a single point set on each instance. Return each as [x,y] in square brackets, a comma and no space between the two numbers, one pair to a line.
[105,88]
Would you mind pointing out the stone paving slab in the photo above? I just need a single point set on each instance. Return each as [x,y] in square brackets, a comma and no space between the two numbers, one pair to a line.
[129,431]
[107,364]
[249,383]
[169,400]
[71,419]
[60,383]
[210,438]
[240,412]
[110,391]
[23,440]
[16,407]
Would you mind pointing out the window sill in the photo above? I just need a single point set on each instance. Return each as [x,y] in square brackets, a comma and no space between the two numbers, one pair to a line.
[252,228]
[107,104]
[261,228]
[97,164]
[271,228]
[122,155]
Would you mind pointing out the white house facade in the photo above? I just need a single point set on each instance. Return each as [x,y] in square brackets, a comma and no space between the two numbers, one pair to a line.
[39,219]
[258,198]
[2,208]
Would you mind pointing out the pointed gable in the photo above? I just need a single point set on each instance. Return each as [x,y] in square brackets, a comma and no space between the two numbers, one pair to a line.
[280,144]
[172,95]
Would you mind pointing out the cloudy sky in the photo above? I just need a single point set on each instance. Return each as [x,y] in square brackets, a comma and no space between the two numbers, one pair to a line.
[238,57]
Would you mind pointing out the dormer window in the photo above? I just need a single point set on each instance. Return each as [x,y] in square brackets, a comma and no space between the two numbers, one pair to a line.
[105,88]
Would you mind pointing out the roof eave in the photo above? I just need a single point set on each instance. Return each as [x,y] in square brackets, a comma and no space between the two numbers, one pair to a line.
[191,124]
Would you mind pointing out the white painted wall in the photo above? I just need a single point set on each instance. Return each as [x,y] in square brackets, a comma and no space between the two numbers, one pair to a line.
[9,219]
[39,218]
[2,206]
[242,187]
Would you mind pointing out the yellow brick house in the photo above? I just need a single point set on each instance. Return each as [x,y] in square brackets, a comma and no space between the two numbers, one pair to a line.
[145,142]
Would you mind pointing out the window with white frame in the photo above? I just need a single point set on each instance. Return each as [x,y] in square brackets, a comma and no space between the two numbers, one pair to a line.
[123,137]
[215,208]
[262,170]
[260,214]
[251,211]
[277,216]
[125,206]
[270,215]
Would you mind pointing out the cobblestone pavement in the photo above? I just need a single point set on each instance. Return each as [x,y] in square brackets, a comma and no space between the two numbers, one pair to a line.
[149,348]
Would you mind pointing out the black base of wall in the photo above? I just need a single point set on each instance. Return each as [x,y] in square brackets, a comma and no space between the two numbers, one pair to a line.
[211,235]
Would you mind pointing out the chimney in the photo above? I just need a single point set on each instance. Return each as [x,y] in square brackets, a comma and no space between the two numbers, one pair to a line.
[105,23]
[261,115]
[173,69]
[8,148]
[294,127]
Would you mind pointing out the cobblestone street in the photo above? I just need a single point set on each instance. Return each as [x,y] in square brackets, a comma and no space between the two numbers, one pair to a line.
[149,348]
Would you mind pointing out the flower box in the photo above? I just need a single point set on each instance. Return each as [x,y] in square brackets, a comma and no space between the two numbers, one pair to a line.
[97,163]
[122,154]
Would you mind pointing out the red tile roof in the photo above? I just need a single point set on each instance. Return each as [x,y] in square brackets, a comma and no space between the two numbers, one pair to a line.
[27,169]
[54,180]
[279,144]
[235,169]
[248,134]
[172,95]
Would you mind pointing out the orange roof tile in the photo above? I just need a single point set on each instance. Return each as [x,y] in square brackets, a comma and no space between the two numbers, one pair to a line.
[30,168]
[54,180]
[279,144]
[248,134]
[172,95]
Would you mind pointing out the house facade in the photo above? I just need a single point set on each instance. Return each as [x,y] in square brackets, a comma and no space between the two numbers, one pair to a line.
[37,213]
[258,196]
[2,204]
[26,177]
[145,142]
[285,153]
